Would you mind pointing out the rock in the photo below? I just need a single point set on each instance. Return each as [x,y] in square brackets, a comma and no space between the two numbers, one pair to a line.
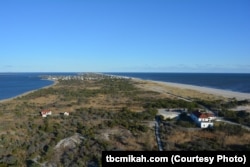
[70,142]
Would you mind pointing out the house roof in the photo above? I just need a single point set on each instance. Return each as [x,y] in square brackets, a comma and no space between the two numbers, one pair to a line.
[45,111]
[202,115]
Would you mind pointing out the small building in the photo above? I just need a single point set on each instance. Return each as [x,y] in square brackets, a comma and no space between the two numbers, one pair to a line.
[44,113]
[203,119]
[66,114]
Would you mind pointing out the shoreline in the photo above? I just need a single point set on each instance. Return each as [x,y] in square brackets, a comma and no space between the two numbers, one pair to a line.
[201,89]
[31,91]
[214,91]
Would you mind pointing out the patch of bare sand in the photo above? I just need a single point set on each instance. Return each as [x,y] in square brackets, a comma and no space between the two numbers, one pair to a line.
[242,108]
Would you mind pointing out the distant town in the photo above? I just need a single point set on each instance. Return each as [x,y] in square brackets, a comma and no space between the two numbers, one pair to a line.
[83,76]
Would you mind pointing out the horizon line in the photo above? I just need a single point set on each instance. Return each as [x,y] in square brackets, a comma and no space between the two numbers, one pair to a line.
[128,72]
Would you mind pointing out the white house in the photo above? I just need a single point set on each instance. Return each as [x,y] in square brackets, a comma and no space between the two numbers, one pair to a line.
[66,114]
[202,119]
[44,113]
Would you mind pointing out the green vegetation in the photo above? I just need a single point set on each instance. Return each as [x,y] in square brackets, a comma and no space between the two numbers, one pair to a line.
[105,114]
[185,121]
[31,139]
[170,103]
[217,139]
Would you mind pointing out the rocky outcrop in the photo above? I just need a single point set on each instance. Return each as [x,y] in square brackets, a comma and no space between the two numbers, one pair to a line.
[69,143]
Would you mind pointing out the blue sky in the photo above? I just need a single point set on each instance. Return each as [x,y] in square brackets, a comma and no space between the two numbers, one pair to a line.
[125,36]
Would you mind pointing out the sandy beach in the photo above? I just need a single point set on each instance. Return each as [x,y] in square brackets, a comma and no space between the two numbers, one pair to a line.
[212,91]
[23,94]
[218,92]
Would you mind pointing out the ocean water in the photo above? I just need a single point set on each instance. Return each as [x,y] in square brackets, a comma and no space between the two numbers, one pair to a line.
[226,81]
[14,84]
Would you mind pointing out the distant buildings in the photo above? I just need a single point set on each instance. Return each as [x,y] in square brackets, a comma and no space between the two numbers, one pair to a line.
[83,76]
[45,113]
